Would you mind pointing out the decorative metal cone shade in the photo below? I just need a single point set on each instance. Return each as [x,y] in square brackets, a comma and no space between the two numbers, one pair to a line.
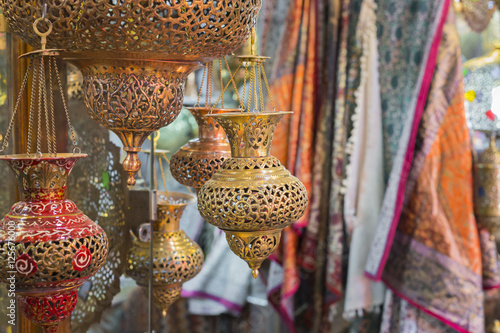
[176,258]
[135,55]
[252,197]
[195,162]
[487,188]
[55,245]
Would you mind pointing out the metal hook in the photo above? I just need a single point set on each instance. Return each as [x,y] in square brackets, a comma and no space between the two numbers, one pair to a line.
[44,12]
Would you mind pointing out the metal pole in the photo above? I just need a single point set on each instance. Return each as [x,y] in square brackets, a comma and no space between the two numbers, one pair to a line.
[152,217]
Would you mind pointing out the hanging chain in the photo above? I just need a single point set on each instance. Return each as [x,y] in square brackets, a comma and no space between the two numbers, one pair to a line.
[76,150]
[267,87]
[41,106]
[243,98]
[5,142]
[208,100]
[31,110]
[51,101]
[41,68]
[201,86]
[231,79]
[221,82]
[251,88]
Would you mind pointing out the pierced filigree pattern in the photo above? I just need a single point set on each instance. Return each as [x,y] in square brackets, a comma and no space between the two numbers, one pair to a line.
[196,162]
[183,29]
[193,170]
[56,246]
[54,260]
[175,257]
[51,309]
[135,97]
[249,134]
[244,198]
[166,296]
[254,248]
[252,197]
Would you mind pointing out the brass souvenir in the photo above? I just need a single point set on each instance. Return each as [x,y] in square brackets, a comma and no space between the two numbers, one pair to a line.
[176,258]
[487,188]
[252,197]
[195,162]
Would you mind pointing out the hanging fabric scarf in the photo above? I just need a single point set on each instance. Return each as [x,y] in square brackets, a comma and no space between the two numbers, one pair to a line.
[364,175]
[434,267]
[409,37]
[294,86]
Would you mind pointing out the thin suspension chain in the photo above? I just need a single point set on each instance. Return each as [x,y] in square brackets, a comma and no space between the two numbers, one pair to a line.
[227,86]
[72,131]
[31,110]
[221,82]
[46,111]
[5,142]
[201,86]
[51,101]
[261,95]
[256,107]
[231,76]
[40,108]
[267,86]
[208,100]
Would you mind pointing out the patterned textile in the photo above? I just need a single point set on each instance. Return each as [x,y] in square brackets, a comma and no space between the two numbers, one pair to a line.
[304,81]
[489,252]
[400,316]
[434,266]
[409,34]
[364,181]
[294,86]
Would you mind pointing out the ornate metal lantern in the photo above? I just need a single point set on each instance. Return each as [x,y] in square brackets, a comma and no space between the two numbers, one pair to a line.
[49,247]
[135,55]
[195,162]
[252,197]
[176,258]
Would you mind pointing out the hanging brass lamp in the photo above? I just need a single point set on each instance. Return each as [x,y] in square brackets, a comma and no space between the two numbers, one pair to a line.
[135,55]
[176,258]
[48,247]
[252,197]
[487,187]
[195,162]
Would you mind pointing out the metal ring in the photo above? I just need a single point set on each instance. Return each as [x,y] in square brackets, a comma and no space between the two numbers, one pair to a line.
[145,232]
[38,154]
[77,150]
[44,34]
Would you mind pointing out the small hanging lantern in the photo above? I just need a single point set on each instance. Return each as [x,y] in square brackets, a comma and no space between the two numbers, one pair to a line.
[487,187]
[195,162]
[176,258]
[252,197]
[49,245]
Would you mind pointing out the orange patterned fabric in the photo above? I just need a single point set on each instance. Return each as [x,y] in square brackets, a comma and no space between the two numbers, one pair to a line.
[435,261]
[444,193]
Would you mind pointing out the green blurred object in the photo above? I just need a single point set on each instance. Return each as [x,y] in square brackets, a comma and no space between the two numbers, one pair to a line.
[183,129]
[105,180]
